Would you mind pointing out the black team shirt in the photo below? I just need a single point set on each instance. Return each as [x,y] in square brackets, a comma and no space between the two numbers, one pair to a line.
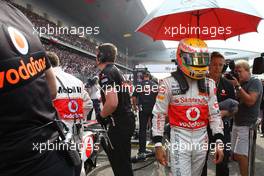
[25,102]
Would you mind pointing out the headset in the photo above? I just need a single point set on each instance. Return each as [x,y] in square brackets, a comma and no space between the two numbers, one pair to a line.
[101,56]
[104,52]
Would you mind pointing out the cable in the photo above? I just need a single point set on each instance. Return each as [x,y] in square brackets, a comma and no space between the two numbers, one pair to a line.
[136,159]
[142,167]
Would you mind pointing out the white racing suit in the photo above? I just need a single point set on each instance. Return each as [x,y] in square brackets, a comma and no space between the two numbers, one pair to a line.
[188,114]
[72,100]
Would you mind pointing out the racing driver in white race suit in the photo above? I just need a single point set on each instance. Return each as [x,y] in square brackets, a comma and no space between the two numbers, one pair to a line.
[188,99]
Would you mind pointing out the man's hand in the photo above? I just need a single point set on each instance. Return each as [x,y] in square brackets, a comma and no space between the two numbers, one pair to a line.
[103,120]
[219,154]
[135,108]
[161,156]
[224,113]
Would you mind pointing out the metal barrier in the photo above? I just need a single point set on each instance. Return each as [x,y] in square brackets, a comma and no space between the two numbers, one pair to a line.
[252,148]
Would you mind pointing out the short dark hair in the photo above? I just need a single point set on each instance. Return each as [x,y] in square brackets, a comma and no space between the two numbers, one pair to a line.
[146,73]
[216,54]
[107,52]
[53,58]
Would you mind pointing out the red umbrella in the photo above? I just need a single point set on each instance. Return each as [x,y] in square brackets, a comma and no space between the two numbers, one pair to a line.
[204,19]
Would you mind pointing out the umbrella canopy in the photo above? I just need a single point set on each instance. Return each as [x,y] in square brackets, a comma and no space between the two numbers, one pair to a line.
[204,19]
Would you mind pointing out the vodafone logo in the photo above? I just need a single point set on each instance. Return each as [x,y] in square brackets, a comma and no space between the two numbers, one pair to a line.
[18,39]
[193,113]
[73,106]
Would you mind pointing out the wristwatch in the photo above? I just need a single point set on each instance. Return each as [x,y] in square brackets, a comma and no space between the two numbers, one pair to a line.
[238,88]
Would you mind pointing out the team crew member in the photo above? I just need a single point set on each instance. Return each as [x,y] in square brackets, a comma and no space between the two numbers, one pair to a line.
[249,92]
[225,90]
[116,110]
[72,101]
[189,101]
[146,96]
[27,113]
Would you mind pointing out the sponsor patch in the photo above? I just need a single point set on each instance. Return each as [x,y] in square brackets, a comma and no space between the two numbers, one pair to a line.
[104,80]
[18,40]
[160,97]
[216,106]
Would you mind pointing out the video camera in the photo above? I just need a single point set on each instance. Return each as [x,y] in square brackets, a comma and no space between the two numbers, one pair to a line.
[91,82]
[231,74]
[258,65]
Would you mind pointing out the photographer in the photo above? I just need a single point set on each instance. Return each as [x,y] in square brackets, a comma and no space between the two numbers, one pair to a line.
[116,112]
[249,92]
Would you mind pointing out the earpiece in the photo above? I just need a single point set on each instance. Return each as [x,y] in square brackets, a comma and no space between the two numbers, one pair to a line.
[101,56]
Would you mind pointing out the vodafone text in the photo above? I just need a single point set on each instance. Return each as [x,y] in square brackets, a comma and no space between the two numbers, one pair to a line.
[24,71]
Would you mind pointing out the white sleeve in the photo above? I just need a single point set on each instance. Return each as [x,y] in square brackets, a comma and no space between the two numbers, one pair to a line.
[215,119]
[87,102]
[160,109]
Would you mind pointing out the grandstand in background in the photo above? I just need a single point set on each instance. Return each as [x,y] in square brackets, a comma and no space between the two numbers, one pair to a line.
[77,53]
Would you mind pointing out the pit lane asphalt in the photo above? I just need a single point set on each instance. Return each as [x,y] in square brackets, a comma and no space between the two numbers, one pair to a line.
[103,168]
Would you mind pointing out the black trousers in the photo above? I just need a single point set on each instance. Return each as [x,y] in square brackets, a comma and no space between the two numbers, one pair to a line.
[120,156]
[96,107]
[50,164]
[144,117]
[262,122]
[221,168]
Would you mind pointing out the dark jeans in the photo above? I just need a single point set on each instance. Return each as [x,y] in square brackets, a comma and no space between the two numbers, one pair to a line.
[221,168]
[120,156]
[144,117]
[96,107]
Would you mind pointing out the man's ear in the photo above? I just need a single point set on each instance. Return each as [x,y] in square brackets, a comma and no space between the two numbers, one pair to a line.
[97,61]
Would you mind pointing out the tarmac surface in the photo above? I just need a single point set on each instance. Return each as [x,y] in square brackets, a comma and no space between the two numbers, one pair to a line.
[152,168]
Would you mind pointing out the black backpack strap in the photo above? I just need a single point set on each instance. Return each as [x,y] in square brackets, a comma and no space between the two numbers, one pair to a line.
[202,86]
[180,78]
[184,86]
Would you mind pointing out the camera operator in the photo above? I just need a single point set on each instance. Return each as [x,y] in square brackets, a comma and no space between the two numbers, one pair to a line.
[249,92]
[116,111]
[232,73]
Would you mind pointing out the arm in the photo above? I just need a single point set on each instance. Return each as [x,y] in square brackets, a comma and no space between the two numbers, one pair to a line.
[134,99]
[216,123]
[87,102]
[111,102]
[249,97]
[134,103]
[158,122]
[51,80]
